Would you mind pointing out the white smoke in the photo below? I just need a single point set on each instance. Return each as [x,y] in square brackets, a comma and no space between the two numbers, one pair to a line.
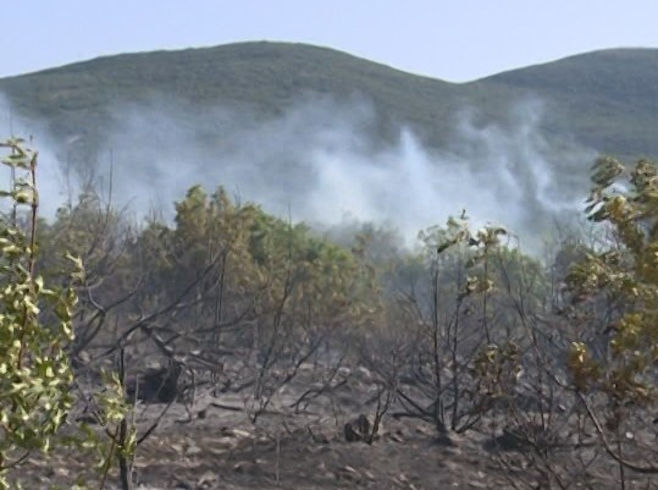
[317,163]
[51,175]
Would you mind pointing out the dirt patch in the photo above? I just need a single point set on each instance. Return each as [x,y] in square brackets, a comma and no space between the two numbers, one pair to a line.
[213,444]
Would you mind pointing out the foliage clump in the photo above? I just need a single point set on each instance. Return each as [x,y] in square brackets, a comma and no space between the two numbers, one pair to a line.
[620,368]
[37,333]
[35,323]
[624,274]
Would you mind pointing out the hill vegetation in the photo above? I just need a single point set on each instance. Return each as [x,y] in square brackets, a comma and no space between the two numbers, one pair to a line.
[604,100]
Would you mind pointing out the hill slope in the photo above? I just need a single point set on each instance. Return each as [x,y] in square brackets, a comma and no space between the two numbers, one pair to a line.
[267,77]
[607,100]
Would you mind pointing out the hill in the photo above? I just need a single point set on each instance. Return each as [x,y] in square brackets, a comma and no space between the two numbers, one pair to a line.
[266,77]
[317,131]
[609,98]
[606,100]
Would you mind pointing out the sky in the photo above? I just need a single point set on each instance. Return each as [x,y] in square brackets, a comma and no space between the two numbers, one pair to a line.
[452,40]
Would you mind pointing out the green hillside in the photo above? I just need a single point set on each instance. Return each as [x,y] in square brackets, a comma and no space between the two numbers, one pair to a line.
[266,77]
[606,100]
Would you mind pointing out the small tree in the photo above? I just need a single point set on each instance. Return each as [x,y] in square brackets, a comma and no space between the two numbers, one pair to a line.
[35,325]
[454,351]
[616,374]
[36,332]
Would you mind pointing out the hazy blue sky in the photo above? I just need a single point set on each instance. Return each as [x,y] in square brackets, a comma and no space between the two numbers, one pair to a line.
[456,40]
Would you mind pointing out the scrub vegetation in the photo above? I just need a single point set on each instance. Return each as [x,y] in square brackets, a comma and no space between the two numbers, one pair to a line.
[604,100]
[234,349]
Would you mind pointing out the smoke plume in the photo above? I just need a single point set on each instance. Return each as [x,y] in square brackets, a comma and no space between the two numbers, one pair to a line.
[317,163]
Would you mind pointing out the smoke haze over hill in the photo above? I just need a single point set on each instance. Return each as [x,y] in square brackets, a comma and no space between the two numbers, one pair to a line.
[317,163]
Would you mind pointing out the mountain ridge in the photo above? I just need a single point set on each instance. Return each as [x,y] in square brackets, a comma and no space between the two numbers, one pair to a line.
[605,99]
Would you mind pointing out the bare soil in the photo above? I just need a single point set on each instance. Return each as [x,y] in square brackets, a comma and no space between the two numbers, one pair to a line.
[214,445]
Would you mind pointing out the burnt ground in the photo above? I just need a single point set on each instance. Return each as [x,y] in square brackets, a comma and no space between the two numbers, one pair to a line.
[224,450]
[219,447]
